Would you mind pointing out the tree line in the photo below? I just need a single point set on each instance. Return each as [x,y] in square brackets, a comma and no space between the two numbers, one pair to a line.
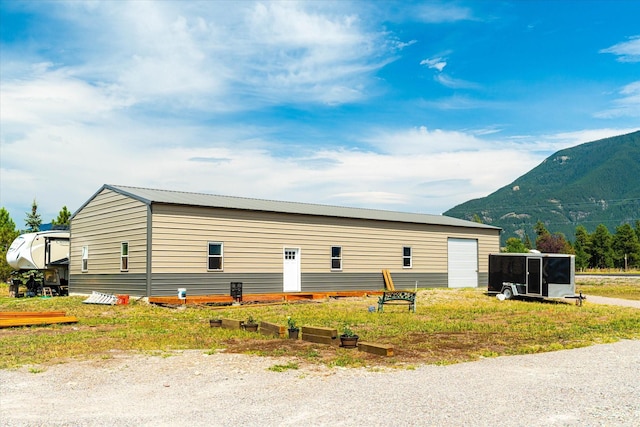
[597,250]
[33,222]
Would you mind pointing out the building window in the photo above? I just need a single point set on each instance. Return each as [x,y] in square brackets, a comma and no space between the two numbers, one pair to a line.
[215,256]
[124,256]
[85,258]
[407,262]
[336,257]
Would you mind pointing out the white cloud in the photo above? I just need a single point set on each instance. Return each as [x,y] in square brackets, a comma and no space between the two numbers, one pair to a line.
[48,96]
[421,140]
[453,83]
[438,63]
[273,53]
[563,140]
[435,63]
[421,170]
[628,51]
[414,169]
[437,13]
[627,105]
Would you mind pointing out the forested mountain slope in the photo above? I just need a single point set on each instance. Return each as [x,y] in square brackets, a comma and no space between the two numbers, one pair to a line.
[593,183]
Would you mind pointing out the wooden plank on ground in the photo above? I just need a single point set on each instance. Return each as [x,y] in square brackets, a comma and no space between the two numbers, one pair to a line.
[347,294]
[254,298]
[375,348]
[23,314]
[197,299]
[319,335]
[318,339]
[323,332]
[272,329]
[262,298]
[300,297]
[232,324]
[32,321]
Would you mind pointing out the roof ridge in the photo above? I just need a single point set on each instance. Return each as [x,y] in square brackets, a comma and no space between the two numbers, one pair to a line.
[260,199]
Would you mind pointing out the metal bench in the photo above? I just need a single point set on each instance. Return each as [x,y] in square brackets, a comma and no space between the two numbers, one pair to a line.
[397,297]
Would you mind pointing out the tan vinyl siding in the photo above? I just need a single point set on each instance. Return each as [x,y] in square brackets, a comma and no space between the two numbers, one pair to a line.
[105,222]
[253,241]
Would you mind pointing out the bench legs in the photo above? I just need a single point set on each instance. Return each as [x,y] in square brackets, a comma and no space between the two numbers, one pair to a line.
[412,307]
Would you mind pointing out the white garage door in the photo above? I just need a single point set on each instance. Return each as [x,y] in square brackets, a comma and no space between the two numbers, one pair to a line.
[463,263]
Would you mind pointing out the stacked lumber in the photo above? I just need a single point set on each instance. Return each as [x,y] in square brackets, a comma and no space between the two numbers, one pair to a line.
[10,319]
[388,281]
[273,329]
[319,335]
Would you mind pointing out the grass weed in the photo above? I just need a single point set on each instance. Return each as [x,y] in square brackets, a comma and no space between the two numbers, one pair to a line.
[284,367]
[449,326]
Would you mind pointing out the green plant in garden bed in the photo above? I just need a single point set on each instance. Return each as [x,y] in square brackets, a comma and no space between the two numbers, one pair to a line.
[450,325]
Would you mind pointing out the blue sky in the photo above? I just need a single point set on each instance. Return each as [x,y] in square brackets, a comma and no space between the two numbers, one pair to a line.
[408,106]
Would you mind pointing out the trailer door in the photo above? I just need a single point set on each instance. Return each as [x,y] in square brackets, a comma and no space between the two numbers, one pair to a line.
[463,263]
[534,276]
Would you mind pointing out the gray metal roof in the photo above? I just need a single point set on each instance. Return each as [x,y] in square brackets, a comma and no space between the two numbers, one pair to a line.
[150,196]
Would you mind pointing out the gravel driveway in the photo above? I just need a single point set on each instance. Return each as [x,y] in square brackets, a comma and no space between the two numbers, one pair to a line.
[593,386]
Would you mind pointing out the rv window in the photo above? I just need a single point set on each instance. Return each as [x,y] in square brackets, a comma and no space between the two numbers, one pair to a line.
[85,258]
[215,256]
[124,256]
[336,257]
[407,260]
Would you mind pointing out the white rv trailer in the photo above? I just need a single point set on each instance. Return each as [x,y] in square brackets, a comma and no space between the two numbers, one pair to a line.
[44,250]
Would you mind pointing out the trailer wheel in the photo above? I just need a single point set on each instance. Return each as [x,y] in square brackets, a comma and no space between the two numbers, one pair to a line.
[507,292]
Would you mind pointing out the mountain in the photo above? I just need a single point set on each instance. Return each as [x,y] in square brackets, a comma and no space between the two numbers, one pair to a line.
[593,183]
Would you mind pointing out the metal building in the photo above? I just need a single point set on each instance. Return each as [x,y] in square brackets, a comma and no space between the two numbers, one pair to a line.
[150,242]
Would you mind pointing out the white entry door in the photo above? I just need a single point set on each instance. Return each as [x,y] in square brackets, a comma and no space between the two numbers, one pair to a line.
[463,263]
[291,270]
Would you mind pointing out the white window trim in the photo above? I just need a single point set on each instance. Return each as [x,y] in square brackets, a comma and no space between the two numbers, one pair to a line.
[123,256]
[405,257]
[84,263]
[221,256]
[338,258]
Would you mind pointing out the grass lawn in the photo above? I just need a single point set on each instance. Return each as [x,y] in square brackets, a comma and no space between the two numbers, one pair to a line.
[613,287]
[450,326]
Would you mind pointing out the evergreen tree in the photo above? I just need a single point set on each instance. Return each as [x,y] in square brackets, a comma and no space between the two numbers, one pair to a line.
[582,248]
[33,220]
[62,221]
[515,245]
[540,229]
[476,218]
[601,252]
[8,233]
[625,244]
[527,242]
